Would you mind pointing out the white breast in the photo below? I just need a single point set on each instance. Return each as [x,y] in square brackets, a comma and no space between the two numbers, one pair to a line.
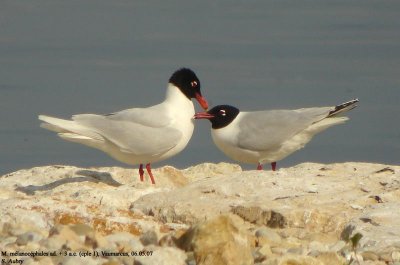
[178,111]
[181,111]
[226,139]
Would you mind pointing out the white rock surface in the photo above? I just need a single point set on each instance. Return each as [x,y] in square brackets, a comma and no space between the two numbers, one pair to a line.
[307,207]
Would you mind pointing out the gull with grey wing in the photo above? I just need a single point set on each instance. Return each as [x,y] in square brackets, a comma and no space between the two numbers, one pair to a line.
[268,136]
[139,135]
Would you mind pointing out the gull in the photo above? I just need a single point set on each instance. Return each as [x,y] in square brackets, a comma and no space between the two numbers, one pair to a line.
[139,135]
[268,136]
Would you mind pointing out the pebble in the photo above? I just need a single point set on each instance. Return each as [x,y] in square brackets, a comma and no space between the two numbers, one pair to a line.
[357,256]
[312,189]
[4,241]
[163,256]
[41,261]
[269,234]
[356,207]
[278,250]
[338,246]
[314,253]
[258,257]
[13,229]
[395,256]
[82,229]
[27,237]
[82,261]
[296,251]
[317,246]
[124,238]
[149,238]
[331,258]
[222,240]
[369,255]
[168,241]
[265,251]
[190,258]
[386,257]
[119,237]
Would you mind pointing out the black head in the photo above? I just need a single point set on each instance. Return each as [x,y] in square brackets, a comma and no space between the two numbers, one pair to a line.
[219,116]
[187,81]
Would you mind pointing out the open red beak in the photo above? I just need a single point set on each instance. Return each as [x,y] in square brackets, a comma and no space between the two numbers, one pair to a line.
[202,101]
[203,115]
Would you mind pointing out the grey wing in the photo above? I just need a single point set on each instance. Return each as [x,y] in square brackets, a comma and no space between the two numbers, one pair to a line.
[264,130]
[154,116]
[131,137]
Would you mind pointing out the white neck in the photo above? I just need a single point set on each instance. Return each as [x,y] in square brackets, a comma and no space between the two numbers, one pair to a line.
[181,111]
[176,98]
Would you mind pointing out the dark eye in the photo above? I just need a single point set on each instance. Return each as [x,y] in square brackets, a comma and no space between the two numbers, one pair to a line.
[193,83]
[222,112]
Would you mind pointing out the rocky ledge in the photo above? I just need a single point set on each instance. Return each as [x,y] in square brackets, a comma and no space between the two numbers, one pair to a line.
[207,214]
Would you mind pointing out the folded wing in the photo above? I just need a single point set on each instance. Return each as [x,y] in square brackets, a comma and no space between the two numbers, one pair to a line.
[127,130]
[265,130]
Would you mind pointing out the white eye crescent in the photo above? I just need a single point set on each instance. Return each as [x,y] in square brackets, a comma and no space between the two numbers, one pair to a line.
[193,83]
[222,112]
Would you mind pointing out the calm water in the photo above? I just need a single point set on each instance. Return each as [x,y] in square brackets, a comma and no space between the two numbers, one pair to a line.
[68,57]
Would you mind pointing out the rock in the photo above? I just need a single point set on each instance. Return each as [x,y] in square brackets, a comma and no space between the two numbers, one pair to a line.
[4,241]
[377,227]
[260,216]
[369,255]
[356,207]
[41,261]
[314,253]
[338,246]
[331,258]
[82,261]
[317,246]
[168,241]
[279,250]
[162,256]
[63,237]
[300,260]
[386,257]
[218,241]
[283,216]
[262,253]
[190,260]
[207,170]
[296,251]
[269,234]
[124,239]
[265,251]
[370,262]
[82,229]
[148,238]
[396,256]
[27,237]
[120,237]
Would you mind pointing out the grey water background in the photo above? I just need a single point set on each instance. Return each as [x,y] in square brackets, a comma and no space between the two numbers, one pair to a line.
[66,57]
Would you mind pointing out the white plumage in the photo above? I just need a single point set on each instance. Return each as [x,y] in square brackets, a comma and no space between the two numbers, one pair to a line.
[268,136]
[138,135]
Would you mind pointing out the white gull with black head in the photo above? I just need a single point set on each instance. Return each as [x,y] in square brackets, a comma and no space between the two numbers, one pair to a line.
[268,136]
[139,135]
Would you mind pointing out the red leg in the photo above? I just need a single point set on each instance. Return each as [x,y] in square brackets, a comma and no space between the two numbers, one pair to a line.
[259,167]
[150,174]
[141,172]
[273,165]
